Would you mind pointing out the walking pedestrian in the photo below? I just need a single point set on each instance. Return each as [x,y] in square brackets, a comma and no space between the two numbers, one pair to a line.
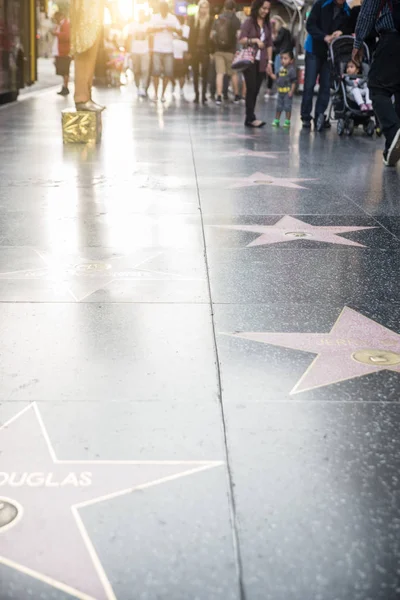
[200,49]
[328,20]
[384,75]
[140,53]
[163,26]
[62,49]
[256,32]
[224,35]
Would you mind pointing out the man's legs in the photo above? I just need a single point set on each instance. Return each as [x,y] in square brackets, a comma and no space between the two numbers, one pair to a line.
[157,69]
[384,81]
[310,78]
[144,69]
[168,70]
[324,87]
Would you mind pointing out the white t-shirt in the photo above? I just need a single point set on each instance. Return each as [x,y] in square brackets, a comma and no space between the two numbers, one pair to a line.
[262,38]
[163,40]
[181,46]
[140,42]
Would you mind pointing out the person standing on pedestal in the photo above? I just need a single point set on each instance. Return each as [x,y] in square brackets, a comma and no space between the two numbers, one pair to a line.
[86,26]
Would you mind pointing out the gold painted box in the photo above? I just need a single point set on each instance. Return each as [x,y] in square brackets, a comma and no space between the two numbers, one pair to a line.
[81,127]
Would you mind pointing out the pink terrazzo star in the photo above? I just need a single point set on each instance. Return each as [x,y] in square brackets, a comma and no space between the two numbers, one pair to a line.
[264,179]
[354,347]
[289,229]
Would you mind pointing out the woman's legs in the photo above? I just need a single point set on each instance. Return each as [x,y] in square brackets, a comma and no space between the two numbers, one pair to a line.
[205,62]
[196,69]
[250,76]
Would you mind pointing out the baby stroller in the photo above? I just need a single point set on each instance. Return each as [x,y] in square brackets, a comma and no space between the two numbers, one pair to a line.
[346,110]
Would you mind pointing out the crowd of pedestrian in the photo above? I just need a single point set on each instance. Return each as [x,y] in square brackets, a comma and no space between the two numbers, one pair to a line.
[162,48]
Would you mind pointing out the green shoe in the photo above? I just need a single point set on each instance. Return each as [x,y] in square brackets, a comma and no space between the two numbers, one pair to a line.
[286,123]
[276,123]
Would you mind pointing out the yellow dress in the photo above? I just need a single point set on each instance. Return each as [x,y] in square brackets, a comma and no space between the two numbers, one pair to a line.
[86,23]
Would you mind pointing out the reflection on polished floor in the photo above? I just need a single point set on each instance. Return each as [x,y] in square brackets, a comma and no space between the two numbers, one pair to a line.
[200,359]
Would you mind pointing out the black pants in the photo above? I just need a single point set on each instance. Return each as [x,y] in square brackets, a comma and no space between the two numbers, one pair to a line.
[200,60]
[315,66]
[253,78]
[384,82]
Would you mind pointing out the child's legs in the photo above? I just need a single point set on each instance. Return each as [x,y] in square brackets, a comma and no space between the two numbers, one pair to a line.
[357,96]
[287,105]
[280,105]
[365,92]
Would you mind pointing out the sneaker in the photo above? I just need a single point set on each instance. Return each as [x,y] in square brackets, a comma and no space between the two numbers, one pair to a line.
[276,123]
[218,100]
[287,123]
[306,124]
[236,100]
[364,108]
[392,156]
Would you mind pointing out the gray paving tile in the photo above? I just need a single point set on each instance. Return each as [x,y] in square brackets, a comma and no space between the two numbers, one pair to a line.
[107,352]
[317,496]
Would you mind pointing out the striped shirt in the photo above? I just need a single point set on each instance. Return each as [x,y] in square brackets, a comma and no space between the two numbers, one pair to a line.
[373,13]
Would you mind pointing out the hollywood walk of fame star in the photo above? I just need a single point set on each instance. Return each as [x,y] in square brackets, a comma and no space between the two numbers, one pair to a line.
[43,534]
[289,229]
[82,277]
[355,346]
[264,179]
[254,154]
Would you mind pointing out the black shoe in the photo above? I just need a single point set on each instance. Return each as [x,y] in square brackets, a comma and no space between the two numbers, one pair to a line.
[391,156]
[236,100]
[204,100]
[218,100]
[196,100]
[63,92]
[306,124]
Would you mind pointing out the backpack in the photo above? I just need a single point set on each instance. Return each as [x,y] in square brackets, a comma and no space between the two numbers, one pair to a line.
[224,36]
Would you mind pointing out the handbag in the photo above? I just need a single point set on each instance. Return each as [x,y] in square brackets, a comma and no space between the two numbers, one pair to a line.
[244,58]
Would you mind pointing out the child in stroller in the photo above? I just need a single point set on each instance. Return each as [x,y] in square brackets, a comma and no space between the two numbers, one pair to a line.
[349,87]
[356,87]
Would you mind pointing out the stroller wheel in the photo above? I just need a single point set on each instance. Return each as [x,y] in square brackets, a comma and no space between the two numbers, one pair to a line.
[349,127]
[340,127]
[369,128]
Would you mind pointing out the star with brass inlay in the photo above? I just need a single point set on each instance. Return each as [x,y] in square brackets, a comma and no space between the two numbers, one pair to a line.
[289,229]
[42,532]
[263,179]
[355,346]
[81,277]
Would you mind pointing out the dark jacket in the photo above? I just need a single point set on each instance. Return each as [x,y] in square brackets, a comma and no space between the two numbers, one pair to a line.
[322,22]
[194,35]
[371,39]
[283,41]
[250,29]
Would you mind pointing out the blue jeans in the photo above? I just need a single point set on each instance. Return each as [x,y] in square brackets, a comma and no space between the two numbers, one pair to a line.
[315,65]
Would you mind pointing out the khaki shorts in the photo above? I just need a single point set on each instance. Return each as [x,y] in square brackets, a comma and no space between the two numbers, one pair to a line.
[223,62]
